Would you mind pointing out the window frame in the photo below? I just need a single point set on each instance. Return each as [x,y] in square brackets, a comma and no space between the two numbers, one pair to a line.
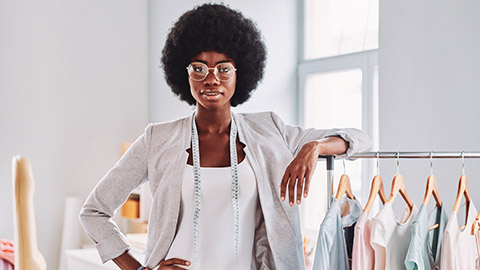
[367,61]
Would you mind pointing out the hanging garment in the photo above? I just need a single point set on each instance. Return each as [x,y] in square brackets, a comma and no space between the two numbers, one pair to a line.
[363,257]
[390,238]
[7,260]
[331,251]
[424,249]
[459,247]
[477,240]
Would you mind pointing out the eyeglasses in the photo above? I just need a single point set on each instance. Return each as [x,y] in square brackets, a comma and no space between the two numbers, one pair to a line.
[199,71]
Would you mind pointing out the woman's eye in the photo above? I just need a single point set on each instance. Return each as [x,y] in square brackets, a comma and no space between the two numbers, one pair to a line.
[223,69]
[198,69]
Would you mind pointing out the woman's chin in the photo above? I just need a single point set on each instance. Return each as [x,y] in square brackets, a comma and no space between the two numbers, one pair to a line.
[213,104]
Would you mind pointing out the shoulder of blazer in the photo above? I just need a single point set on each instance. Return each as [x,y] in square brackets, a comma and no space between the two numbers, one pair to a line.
[170,133]
[169,125]
[259,119]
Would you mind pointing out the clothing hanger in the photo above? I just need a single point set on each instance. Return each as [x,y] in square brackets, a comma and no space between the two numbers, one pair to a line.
[476,224]
[463,192]
[398,186]
[376,189]
[344,187]
[432,189]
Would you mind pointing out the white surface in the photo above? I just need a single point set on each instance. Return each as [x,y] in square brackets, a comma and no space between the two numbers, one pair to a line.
[72,231]
[82,259]
[73,87]
[277,92]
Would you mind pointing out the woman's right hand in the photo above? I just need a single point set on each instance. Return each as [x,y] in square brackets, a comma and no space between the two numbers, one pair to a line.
[173,263]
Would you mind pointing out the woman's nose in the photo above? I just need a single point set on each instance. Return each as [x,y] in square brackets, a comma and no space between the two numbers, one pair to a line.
[211,79]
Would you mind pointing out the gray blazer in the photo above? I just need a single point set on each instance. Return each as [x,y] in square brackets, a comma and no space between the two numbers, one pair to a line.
[159,157]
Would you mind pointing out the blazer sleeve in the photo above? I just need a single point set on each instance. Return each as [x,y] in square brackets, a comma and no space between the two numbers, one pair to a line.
[110,193]
[295,137]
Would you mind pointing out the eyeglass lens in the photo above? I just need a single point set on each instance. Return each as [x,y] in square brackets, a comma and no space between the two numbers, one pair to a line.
[199,71]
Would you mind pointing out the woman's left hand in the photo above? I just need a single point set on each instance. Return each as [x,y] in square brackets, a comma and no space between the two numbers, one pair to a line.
[299,172]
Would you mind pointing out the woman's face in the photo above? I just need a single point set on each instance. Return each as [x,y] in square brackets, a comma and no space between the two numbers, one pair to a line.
[212,93]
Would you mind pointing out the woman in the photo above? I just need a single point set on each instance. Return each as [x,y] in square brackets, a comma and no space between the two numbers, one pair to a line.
[218,178]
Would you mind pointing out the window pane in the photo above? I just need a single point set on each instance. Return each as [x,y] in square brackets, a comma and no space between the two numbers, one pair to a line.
[334,27]
[332,99]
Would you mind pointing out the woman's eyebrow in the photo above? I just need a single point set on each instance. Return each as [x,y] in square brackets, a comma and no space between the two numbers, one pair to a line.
[206,63]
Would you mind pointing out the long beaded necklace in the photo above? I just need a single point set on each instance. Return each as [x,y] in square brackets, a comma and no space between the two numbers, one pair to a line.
[197,187]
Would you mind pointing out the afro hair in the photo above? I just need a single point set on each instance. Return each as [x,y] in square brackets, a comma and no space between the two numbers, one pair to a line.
[214,27]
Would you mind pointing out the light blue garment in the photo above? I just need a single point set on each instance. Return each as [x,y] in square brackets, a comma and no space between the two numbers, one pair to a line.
[331,252]
[424,248]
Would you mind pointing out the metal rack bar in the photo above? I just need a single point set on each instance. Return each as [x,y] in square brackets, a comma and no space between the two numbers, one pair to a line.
[417,155]
[433,154]
[330,160]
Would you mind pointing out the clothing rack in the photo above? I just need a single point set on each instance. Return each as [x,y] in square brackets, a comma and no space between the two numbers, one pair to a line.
[397,155]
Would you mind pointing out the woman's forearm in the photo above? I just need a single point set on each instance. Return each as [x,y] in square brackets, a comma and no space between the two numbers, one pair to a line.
[332,146]
[127,262]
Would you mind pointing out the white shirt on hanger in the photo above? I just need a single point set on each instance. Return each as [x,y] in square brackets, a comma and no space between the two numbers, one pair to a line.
[390,238]
[459,249]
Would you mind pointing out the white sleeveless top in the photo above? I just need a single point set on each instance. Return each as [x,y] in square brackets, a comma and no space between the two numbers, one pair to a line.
[216,229]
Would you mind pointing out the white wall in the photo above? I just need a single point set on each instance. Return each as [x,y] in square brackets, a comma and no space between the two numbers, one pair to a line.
[429,90]
[278,22]
[73,87]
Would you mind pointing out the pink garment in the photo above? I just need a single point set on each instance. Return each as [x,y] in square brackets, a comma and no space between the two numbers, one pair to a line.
[7,260]
[363,257]
[4,265]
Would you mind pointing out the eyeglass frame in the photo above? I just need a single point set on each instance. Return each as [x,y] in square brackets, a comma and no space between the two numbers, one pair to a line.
[215,71]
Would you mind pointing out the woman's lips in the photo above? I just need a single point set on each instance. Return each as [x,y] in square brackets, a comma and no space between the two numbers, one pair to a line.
[211,94]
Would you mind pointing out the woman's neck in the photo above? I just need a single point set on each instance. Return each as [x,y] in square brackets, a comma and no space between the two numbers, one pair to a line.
[213,122]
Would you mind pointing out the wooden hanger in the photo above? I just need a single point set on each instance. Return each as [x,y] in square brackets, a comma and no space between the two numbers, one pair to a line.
[476,224]
[432,189]
[398,186]
[344,188]
[377,188]
[462,192]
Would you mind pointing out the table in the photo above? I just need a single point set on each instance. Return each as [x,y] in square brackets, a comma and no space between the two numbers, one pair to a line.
[81,259]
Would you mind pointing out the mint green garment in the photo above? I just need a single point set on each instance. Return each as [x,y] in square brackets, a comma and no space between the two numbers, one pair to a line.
[424,249]
[331,251]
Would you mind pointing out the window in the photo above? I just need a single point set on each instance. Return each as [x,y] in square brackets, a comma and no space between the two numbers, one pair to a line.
[334,27]
[337,79]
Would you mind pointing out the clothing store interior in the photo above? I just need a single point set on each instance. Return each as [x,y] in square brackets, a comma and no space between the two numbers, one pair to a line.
[80,81]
